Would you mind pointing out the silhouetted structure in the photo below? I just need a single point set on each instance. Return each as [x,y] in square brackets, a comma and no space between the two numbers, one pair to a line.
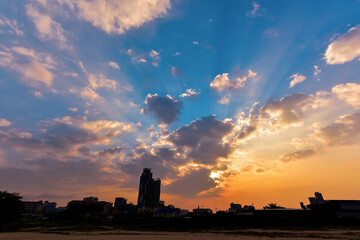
[89,205]
[49,206]
[149,190]
[338,208]
[238,210]
[32,208]
[202,211]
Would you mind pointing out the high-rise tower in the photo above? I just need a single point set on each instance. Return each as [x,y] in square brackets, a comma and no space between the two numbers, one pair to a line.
[149,190]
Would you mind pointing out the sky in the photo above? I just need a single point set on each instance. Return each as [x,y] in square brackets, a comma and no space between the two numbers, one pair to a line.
[251,102]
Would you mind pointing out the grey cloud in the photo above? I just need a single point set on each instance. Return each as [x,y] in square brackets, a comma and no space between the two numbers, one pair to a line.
[246,131]
[300,154]
[204,138]
[41,175]
[61,137]
[165,109]
[276,114]
[110,151]
[209,151]
[290,107]
[83,150]
[206,127]
[191,184]
[341,132]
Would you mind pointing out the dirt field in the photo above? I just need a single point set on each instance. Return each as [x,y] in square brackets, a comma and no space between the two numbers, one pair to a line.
[249,234]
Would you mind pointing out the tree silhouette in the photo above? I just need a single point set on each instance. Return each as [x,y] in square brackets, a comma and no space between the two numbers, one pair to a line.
[273,206]
[10,205]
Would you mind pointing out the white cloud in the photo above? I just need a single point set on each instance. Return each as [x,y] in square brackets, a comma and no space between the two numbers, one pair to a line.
[90,94]
[100,81]
[175,54]
[71,74]
[47,28]
[224,100]
[190,93]
[37,94]
[154,55]
[345,48]
[114,65]
[257,11]
[297,78]
[349,92]
[4,122]
[117,16]
[222,82]
[35,67]
[73,109]
[195,42]
[13,25]
[317,70]
[271,32]
[176,72]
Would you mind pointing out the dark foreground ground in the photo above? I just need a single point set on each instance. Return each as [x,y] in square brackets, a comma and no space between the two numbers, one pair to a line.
[245,234]
[279,226]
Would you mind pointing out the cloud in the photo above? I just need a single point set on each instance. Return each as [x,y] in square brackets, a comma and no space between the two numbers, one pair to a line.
[12,24]
[154,55]
[341,132]
[348,92]
[345,48]
[284,111]
[190,93]
[191,184]
[68,176]
[114,65]
[299,154]
[90,94]
[176,72]
[246,131]
[297,78]
[37,94]
[195,43]
[100,81]
[204,138]
[165,109]
[271,33]
[110,151]
[108,128]
[35,67]
[73,109]
[206,127]
[176,54]
[222,82]
[317,70]
[257,11]
[118,16]
[275,115]
[47,28]
[224,100]
[4,122]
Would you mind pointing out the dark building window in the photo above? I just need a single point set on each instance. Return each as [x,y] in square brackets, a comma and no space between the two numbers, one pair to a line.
[149,190]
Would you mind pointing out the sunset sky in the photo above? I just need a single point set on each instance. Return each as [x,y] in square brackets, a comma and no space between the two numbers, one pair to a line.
[226,101]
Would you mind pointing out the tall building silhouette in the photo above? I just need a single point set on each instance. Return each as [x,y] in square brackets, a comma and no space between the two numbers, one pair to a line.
[149,190]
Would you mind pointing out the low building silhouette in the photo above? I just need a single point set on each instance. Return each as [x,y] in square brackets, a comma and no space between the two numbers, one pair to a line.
[32,208]
[202,211]
[338,208]
[89,205]
[238,210]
